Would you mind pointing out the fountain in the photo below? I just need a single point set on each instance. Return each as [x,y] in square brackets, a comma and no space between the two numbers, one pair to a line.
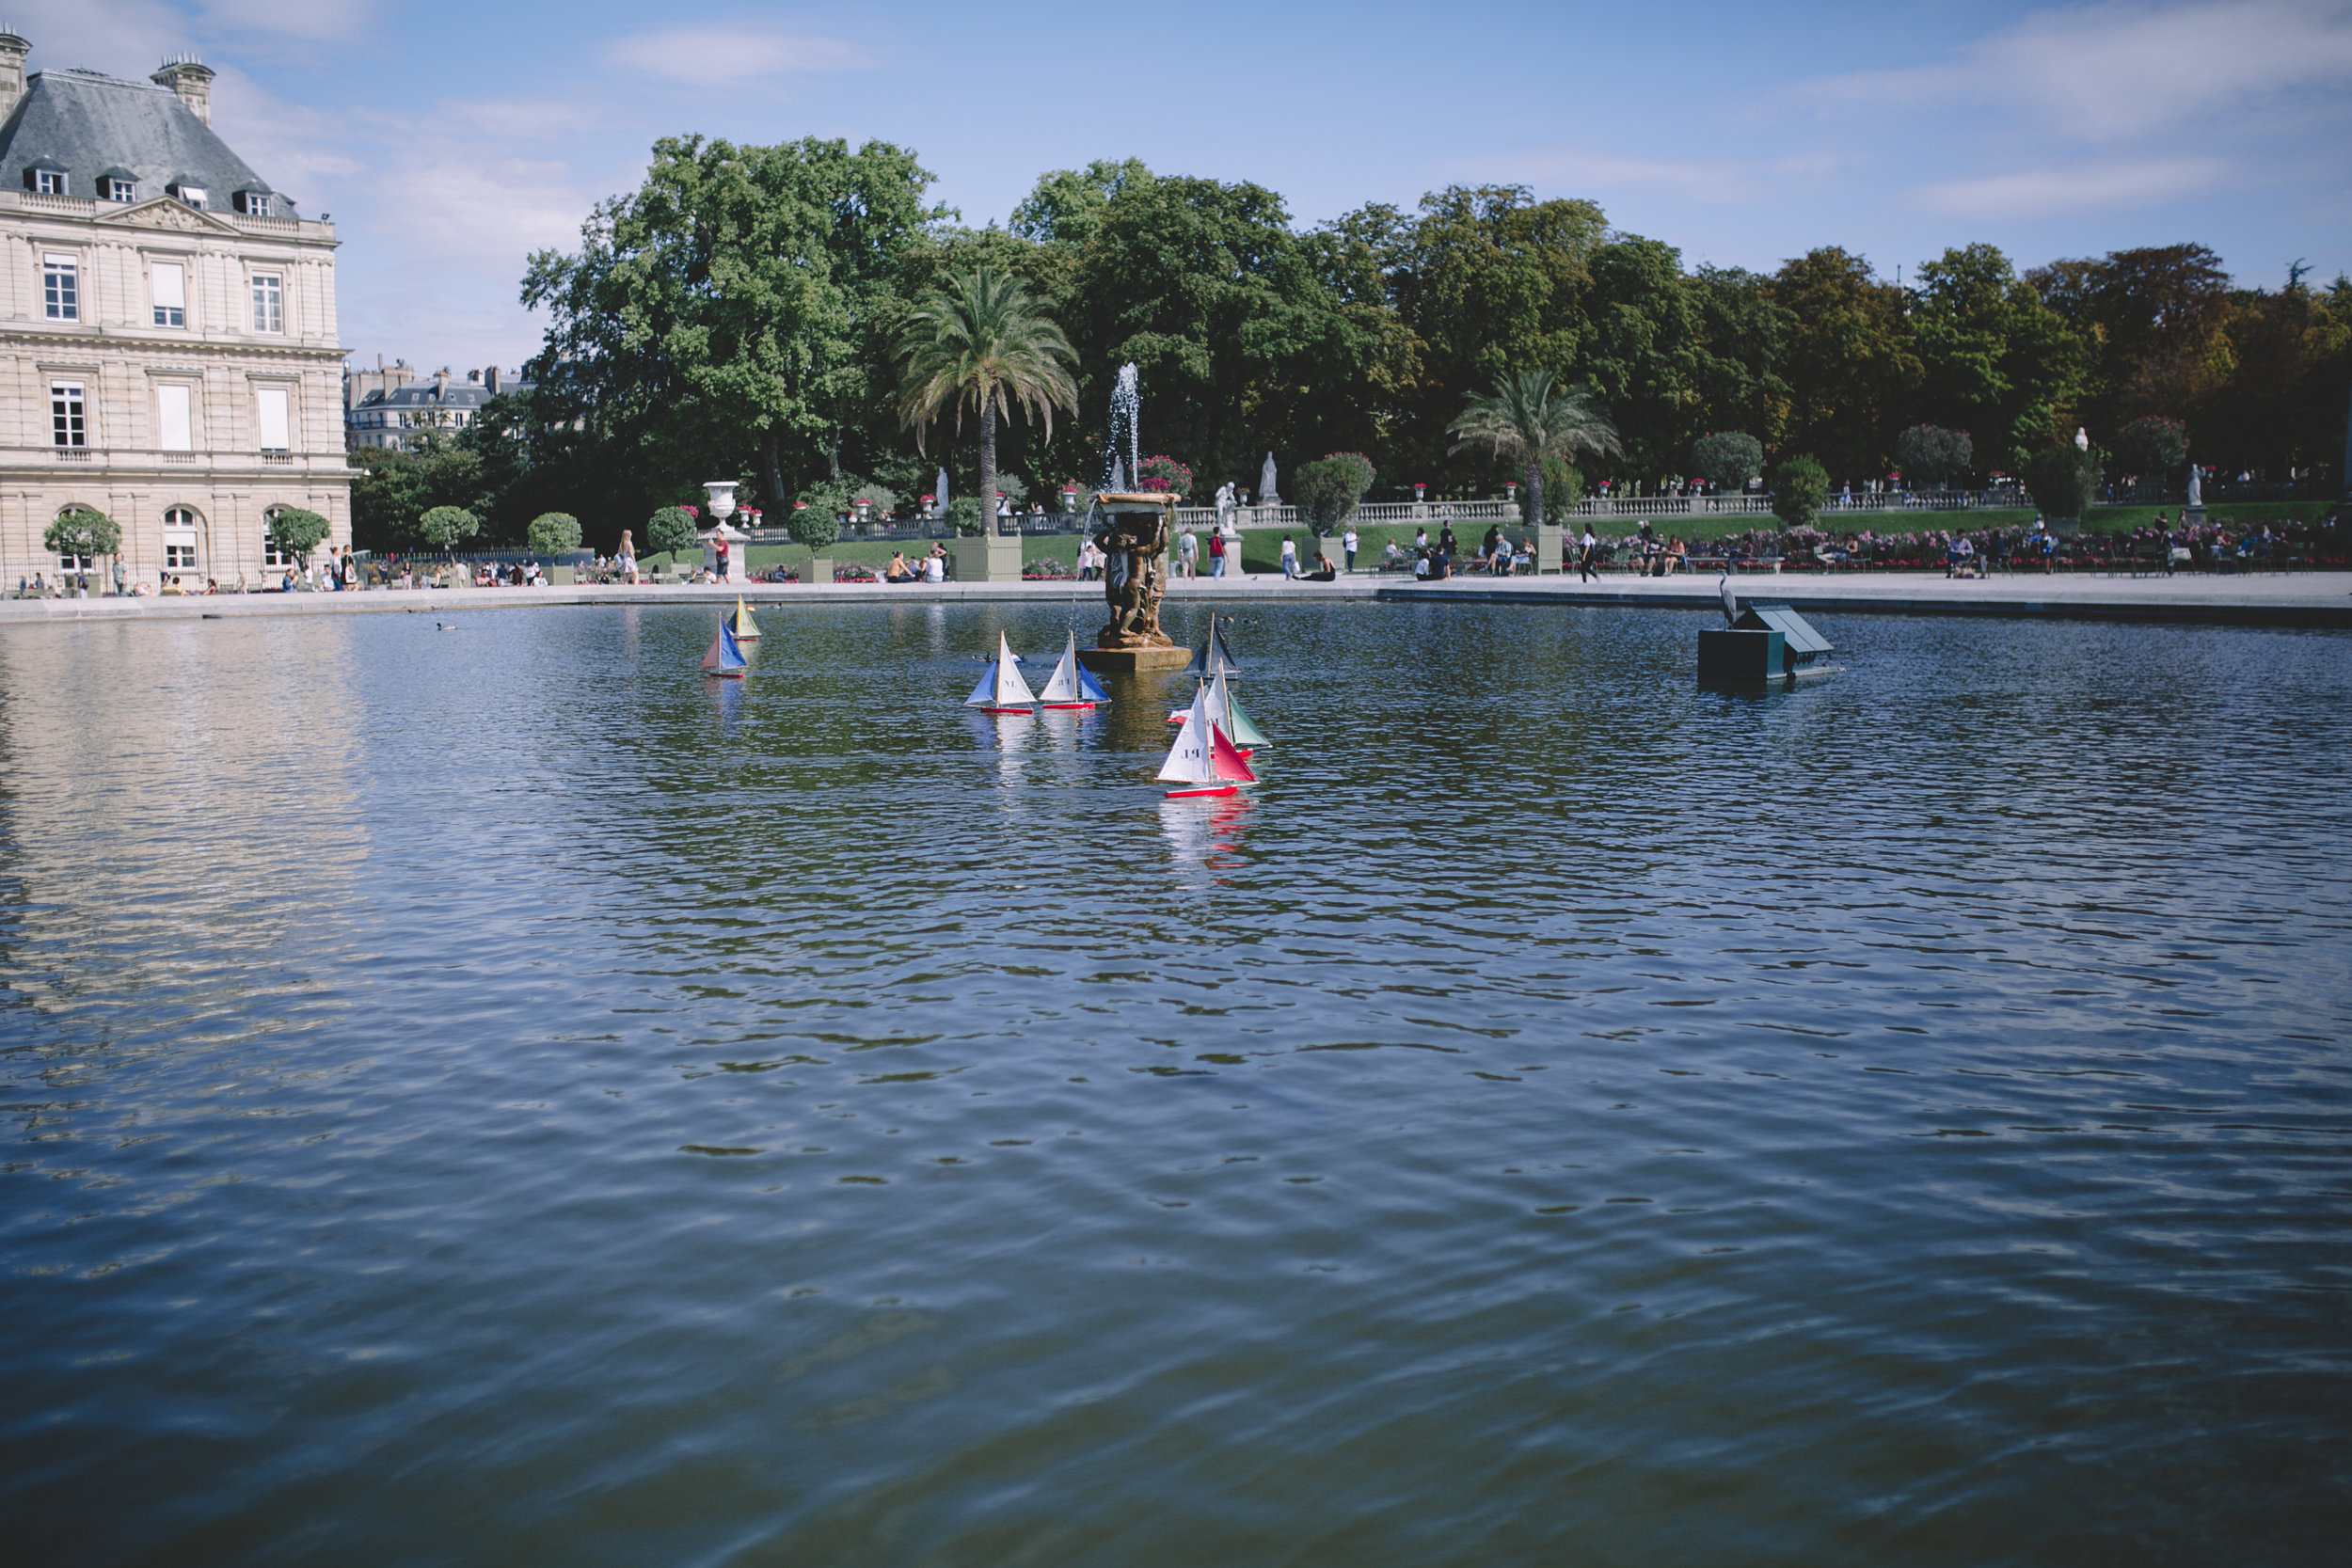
[1132,529]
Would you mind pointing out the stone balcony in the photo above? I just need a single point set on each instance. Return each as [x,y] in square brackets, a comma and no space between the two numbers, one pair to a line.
[134,461]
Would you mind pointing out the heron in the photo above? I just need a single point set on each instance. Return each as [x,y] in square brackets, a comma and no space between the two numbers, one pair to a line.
[1731,600]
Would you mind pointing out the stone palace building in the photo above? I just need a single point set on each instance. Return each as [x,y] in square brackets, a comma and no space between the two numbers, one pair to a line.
[168,352]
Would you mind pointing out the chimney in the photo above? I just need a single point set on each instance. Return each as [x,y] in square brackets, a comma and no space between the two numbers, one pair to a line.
[12,52]
[191,79]
[490,380]
[440,383]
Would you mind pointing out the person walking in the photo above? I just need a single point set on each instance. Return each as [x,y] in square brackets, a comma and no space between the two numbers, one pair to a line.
[1290,560]
[719,544]
[121,576]
[1216,554]
[629,558]
[1347,543]
[1588,556]
[1188,555]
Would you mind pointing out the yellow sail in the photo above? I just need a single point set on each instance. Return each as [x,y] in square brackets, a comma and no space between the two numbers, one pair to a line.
[746,630]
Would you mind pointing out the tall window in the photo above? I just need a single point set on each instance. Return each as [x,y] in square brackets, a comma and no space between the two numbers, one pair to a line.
[49,182]
[173,432]
[171,295]
[67,423]
[269,407]
[60,287]
[121,190]
[269,304]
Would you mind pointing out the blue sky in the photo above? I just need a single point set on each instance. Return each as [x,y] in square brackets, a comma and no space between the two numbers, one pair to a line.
[448,142]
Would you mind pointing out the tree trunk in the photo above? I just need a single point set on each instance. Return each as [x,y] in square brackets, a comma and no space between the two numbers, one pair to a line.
[987,463]
[833,458]
[771,476]
[1533,514]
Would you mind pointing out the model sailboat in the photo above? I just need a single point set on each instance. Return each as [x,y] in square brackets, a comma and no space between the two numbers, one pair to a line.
[1002,689]
[1226,712]
[745,628]
[1071,685]
[1212,657]
[1204,762]
[725,657]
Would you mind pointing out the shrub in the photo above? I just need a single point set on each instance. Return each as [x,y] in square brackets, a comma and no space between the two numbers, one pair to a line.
[1727,460]
[882,498]
[965,517]
[1931,455]
[295,531]
[1563,485]
[1162,474]
[1325,493]
[671,529]
[2062,480]
[1800,485]
[553,532]
[1015,489]
[442,526]
[2152,447]
[86,532]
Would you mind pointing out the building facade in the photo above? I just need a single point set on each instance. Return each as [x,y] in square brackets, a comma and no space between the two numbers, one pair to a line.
[393,406]
[168,349]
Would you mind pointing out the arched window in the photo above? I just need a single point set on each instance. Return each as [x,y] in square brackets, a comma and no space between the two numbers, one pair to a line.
[180,533]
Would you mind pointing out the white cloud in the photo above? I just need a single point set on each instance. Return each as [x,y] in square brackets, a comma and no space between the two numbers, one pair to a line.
[2047,192]
[1714,182]
[2116,71]
[701,55]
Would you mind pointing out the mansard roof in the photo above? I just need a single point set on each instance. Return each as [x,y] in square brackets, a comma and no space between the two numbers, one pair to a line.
[97,125]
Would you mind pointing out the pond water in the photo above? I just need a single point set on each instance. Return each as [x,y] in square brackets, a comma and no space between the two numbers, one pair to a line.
[492,1096]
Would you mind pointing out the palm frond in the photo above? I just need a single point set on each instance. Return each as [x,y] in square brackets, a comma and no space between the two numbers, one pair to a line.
[980,341]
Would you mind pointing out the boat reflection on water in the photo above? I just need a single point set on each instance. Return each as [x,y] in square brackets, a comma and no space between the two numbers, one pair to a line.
[1204,837]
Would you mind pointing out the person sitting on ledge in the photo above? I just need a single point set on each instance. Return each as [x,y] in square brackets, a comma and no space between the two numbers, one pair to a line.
[1325,571]
[898,571]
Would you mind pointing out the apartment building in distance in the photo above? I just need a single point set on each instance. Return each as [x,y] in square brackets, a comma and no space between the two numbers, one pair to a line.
[392,405]
[169,348]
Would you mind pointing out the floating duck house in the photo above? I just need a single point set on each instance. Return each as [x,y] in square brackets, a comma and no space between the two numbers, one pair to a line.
[1768,642]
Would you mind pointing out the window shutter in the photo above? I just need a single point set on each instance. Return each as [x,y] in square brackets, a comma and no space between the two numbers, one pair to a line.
[171,419]
[170,287]
[271,402]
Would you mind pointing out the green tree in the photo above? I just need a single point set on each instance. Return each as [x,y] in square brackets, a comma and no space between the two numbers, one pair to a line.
[296,531]
[1851,366]
[1999,363]
[442,526]
[1327,490]
[1931,455]
[672,529]
[394,489]
[553,532]
[2062,480]
[965,517]
[1529,417]
[1727,459]
[83,531]
[1800,485]
[1207,289]
[1066,207]
[734,311]
[981,340]
[2154,321]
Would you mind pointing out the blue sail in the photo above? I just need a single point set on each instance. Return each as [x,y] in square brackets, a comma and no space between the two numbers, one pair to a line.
[730,652]
[1089,688]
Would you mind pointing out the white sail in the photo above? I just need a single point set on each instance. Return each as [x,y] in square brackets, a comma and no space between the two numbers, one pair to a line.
[1063,686]
[1188,760]
[1002,687]
[1012,691]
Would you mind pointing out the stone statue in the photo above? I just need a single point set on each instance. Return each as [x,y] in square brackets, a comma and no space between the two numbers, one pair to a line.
[2196,488]
[1267,495]
[1133,543]
[1224,504]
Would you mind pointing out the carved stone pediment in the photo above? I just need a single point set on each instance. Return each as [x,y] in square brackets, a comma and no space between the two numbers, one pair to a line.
[166,211]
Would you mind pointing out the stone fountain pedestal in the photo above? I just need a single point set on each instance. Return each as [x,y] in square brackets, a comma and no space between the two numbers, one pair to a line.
[1135,530]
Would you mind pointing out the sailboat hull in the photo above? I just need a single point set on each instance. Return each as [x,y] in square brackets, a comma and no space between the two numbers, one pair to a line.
[725,674]
[1066,704]
[1004,710]
[1203,792]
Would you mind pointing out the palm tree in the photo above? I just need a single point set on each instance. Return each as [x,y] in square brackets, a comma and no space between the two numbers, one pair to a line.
[1530,416]
[981,341]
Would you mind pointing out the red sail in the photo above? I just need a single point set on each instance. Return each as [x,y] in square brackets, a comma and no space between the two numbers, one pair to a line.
[1227,761]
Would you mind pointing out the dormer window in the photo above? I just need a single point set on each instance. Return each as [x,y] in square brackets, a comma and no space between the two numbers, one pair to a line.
[122,190]
[49,182]
[252,203]
[192,195]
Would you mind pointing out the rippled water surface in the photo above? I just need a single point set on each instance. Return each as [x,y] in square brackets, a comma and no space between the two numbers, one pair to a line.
[487,1096]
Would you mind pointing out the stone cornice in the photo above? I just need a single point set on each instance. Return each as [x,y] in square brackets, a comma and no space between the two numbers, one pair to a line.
[51,341]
